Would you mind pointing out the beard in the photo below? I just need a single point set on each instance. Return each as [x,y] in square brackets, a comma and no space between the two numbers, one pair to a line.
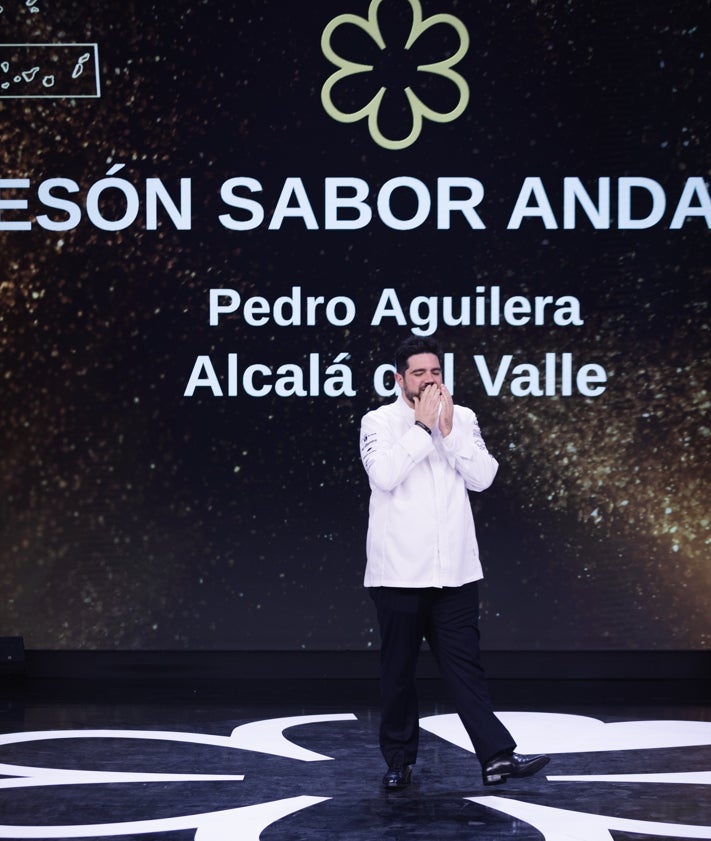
[410,395]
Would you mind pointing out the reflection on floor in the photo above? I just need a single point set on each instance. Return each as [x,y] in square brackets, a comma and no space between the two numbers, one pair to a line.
[299,760]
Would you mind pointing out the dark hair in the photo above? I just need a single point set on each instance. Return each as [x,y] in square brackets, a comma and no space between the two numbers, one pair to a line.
[412,346]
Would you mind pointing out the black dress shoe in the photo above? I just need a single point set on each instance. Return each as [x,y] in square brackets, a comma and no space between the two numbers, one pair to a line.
[397,776]
[505,765]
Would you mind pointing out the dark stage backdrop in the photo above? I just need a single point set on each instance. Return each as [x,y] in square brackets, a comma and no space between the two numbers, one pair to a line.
[217,219]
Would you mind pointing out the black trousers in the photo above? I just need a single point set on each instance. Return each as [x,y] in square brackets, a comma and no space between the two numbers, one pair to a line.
[448,619]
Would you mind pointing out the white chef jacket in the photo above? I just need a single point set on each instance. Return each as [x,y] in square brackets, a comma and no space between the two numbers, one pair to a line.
[421,528]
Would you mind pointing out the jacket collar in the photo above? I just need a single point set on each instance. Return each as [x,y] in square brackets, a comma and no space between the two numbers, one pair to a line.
[403,407]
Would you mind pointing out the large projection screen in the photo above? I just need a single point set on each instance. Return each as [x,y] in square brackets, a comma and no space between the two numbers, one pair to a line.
[217,221]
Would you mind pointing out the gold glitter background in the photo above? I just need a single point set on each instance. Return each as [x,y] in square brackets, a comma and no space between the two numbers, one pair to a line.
[132,517]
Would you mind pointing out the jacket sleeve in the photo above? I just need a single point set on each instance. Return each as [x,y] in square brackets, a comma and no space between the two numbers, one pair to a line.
[466,452]
[387,457]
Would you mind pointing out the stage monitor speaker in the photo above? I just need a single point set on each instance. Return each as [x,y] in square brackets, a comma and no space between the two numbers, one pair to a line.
[12,656]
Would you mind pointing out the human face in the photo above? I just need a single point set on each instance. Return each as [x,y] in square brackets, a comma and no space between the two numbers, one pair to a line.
[423,369]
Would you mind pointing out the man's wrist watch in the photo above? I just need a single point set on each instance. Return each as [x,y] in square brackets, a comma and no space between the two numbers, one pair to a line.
[423,426]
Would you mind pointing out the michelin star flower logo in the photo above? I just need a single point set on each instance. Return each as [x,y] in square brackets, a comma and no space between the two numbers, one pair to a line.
[254,782]
[372,110]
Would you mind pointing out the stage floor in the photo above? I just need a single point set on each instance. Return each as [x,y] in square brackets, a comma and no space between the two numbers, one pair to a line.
[299,760]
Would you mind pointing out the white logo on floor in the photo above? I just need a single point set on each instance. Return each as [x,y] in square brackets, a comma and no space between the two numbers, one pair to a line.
[550,733]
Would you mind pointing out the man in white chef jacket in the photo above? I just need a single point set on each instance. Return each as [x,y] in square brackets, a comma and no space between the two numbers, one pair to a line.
[423,455]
